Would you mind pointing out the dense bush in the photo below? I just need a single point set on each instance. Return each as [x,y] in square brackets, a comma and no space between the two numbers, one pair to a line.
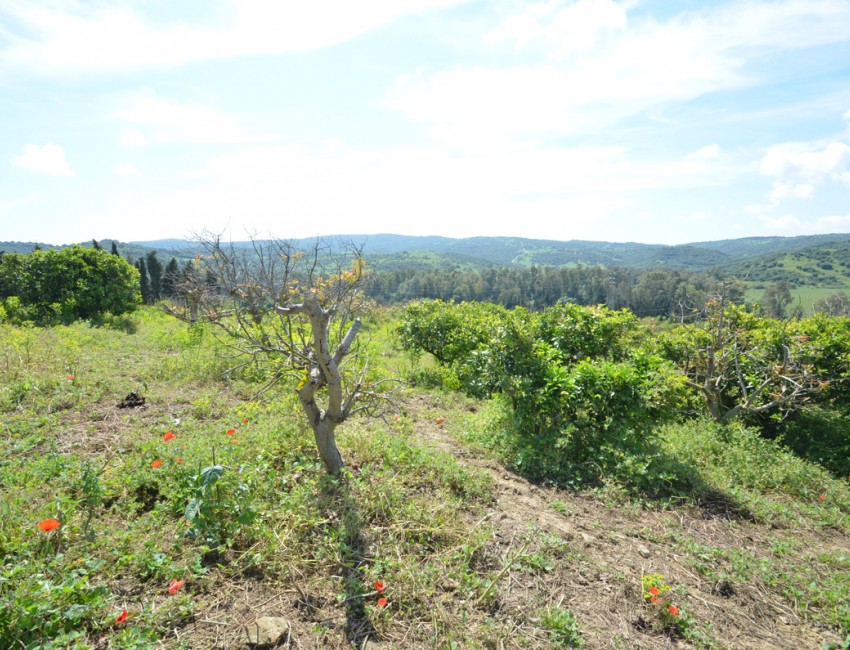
[582,389]
[60,286]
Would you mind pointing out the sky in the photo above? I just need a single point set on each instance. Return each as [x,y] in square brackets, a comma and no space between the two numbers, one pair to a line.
[655,121]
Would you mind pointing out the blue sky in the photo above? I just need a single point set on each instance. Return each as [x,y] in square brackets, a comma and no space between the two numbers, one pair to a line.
[657,121]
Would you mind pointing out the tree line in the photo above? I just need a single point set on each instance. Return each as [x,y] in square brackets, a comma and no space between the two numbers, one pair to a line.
[666,293]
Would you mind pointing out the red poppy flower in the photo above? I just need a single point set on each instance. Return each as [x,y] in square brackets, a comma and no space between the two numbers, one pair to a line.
[379,586]
[49,524]
[230,432]
[822,497]
[653,600]
[168,436]
[174,587]
[245,421]
[121,617]
[673,610]
[179,460]
[156,463]
[70,377]
[235,441]
[382,602]
[654,591]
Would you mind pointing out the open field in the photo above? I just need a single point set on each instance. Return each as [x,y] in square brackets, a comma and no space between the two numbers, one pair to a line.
[427,540]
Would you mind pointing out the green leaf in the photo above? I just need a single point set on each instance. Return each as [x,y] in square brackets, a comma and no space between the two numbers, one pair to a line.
[211,474]
[193,509]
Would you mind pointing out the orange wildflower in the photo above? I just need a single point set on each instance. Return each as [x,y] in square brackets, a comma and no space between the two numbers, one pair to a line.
[168,436]
[174,587]
[156,463]
[382,602]
[49,524]
[121,617]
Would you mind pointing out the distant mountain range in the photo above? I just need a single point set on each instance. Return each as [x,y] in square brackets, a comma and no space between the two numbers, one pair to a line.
[814,260]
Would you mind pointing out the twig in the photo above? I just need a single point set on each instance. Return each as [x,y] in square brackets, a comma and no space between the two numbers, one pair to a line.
[502,573]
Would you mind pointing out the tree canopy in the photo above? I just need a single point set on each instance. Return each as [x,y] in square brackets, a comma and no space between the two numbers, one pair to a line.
[60,286]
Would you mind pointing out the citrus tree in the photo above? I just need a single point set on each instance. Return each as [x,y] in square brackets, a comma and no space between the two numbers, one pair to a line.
[744,364]
[582,388]
[295,314]
[76,282]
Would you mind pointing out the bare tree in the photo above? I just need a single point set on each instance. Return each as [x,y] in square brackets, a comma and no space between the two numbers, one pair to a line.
[296,312]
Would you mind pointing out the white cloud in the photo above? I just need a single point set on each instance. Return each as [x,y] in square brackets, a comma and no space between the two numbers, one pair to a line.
[786,224]
[46,159]
[789,224]
[132,138]
[16,203]
[708,152]
[67,37]
[598,66]
[805,160]
[325,188]
[168,120]
[127,170]
[799,168]
[836,223]
[562,30]
[780,190]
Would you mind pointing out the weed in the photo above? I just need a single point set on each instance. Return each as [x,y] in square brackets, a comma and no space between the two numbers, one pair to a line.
[562,627]
[92,491]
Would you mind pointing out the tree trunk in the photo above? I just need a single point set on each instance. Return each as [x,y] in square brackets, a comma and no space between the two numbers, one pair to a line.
[326,444]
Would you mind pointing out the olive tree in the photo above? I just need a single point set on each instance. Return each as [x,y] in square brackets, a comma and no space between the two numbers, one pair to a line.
[295,312]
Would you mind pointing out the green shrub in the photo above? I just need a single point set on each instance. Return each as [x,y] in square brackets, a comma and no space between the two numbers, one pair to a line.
[60,286]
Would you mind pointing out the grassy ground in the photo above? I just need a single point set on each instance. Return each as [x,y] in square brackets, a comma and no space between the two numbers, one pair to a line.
[805,297]
[469,554]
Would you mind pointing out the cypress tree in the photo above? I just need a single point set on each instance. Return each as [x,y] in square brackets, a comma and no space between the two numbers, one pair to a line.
[171,279]
[155,274]
[144,285]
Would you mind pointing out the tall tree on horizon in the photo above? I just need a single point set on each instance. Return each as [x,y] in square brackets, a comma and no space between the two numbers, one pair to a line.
[155,275]
[144,285]
[171,279]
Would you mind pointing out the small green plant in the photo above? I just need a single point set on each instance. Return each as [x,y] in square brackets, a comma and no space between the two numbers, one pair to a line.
[215,518]
[658,593]
[91,498]
[669,611]
[53,603]
[562,627]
